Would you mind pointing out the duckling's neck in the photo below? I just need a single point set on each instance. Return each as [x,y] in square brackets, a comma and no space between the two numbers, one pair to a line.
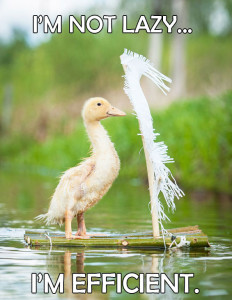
[98,137]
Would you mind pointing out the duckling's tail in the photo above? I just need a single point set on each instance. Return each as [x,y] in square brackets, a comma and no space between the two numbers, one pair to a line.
[48,219]
[44,218]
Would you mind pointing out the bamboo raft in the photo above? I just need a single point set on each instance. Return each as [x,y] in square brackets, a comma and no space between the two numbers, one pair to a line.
[192,235]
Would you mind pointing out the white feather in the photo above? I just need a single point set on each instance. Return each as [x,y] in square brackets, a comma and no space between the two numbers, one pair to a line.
[135,66]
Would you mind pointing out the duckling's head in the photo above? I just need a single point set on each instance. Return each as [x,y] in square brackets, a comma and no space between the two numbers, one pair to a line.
[97,109]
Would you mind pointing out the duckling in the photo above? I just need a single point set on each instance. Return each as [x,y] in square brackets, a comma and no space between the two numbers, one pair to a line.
[81,187]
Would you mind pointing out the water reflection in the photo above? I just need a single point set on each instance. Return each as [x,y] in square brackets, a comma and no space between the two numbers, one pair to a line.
[94,260]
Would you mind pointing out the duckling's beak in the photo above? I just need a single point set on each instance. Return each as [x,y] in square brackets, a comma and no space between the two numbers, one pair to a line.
[115,112]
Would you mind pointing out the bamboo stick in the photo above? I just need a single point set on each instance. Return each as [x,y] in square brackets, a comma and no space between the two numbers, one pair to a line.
[154,209]
[150,175]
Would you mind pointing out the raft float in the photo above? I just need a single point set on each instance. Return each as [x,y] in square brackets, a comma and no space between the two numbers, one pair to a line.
[190,236]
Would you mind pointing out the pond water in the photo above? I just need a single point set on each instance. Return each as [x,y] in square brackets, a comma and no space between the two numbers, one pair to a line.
[123,209]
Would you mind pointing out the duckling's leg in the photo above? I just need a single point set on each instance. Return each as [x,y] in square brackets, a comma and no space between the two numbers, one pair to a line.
[68,224]
[81,232]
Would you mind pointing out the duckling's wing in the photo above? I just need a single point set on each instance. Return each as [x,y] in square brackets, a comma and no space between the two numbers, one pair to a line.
[68,192]
[73,179]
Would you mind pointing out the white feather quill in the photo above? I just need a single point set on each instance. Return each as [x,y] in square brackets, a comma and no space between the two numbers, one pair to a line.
[135,66]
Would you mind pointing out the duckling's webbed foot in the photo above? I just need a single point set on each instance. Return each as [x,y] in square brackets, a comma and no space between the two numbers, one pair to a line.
[81,232]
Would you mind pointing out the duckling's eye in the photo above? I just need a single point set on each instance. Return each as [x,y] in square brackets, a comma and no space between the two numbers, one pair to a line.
[99,104]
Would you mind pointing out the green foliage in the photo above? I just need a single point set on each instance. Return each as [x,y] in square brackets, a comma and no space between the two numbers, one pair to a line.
[197,132]
[68,64]
[9,51]
[208,67]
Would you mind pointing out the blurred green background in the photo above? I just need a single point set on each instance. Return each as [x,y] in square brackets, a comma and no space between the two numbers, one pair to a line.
[43,87]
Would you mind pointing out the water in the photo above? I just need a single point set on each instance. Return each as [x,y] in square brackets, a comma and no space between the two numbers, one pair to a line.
[124,209]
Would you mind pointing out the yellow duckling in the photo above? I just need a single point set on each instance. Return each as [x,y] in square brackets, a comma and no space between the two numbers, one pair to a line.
[81,187]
